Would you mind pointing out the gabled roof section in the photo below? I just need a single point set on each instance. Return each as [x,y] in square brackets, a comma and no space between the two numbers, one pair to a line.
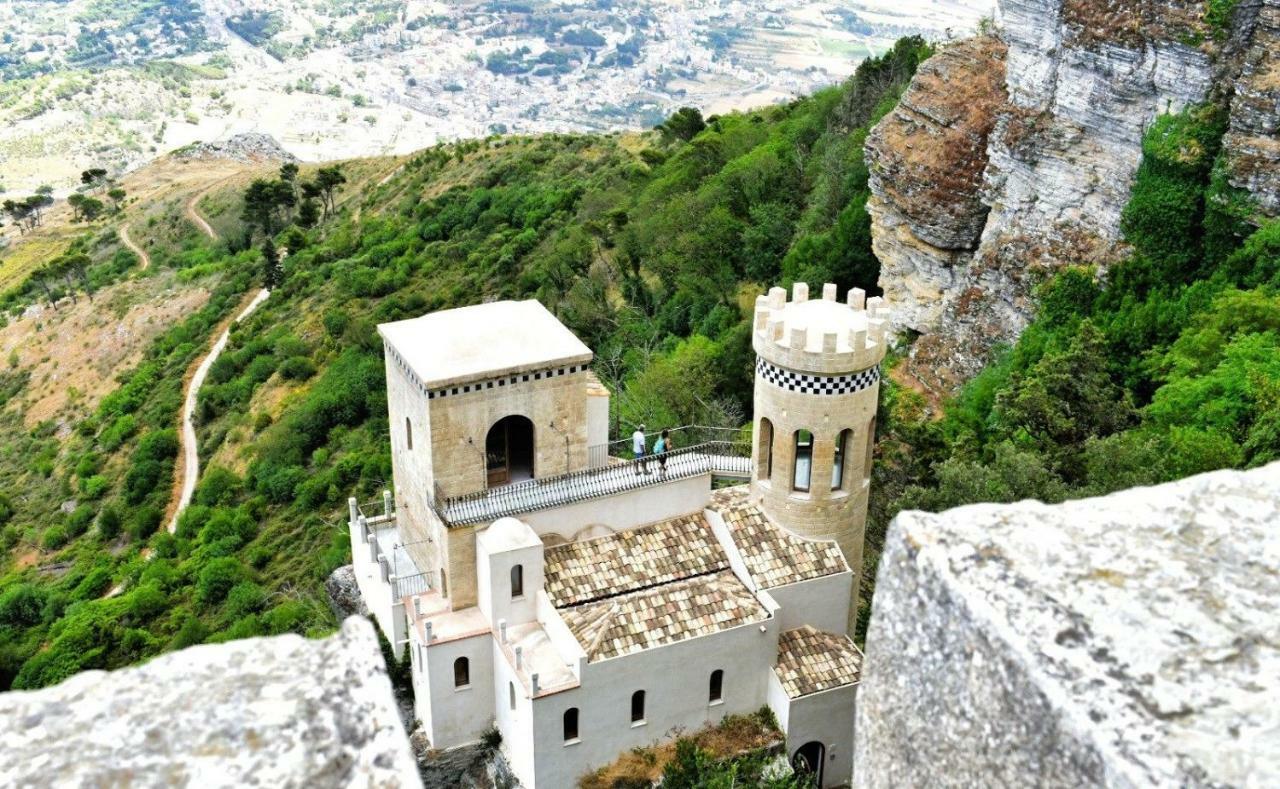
[662,615]
[483,341]
[604,567]
[773,556]
[811,661]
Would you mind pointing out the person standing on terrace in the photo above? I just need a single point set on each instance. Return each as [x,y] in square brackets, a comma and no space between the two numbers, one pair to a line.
[638,444]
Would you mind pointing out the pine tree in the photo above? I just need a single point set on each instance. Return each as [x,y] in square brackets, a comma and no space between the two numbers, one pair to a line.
[272,271]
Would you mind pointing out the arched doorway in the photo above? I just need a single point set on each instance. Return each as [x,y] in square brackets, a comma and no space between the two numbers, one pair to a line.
[808,760]
[508,451]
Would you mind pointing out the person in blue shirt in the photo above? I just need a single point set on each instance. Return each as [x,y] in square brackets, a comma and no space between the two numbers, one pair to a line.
[660,448]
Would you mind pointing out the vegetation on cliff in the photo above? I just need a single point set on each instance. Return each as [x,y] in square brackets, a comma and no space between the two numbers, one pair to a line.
[1165,366]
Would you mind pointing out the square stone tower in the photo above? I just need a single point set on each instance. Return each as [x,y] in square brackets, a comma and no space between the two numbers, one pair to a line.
[816,389]
[479,397]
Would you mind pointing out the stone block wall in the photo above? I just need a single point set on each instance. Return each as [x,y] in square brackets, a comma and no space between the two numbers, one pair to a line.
[283,711]
[1129,640]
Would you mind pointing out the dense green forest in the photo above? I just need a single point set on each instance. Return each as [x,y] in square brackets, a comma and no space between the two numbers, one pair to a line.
[652,247]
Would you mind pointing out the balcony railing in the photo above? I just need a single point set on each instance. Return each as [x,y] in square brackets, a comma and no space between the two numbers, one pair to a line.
[616,475]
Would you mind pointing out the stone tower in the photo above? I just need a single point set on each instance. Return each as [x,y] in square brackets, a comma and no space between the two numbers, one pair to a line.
[816,385]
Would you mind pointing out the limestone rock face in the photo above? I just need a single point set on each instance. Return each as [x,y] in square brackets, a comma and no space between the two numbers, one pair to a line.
[1253,140]
[1063,103]
[283,711]
[926,160]
[1129,640]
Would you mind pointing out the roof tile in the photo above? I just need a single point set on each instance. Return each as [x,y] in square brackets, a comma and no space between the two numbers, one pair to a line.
[810,661]
[774,557]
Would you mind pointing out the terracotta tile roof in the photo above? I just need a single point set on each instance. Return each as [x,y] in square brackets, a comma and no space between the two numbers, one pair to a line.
[579,572]
[663,615]
[810,661]
[774,557]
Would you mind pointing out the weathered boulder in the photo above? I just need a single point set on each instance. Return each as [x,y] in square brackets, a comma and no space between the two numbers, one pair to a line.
[344,595]
[283,711]
[1129,640]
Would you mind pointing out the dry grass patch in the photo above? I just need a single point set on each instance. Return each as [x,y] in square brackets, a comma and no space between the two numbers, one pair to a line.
[734,736]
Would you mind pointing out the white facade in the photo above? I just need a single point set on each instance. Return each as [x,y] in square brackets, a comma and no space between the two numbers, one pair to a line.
[548,604]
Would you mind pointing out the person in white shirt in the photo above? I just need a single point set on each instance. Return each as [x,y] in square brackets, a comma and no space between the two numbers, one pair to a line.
[638,449]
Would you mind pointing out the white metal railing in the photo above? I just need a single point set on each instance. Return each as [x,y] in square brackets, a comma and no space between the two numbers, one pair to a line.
[712,457]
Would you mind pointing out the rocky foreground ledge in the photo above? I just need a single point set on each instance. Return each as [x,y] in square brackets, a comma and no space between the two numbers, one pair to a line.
[1130,640]
[279,712]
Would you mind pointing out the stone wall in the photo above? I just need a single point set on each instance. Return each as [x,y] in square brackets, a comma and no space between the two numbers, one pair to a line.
[1130,640]
[282,711]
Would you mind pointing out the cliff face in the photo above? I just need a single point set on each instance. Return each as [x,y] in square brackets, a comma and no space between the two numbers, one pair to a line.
[1052,117]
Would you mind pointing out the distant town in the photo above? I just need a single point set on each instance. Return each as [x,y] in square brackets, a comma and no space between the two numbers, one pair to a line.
[333,80]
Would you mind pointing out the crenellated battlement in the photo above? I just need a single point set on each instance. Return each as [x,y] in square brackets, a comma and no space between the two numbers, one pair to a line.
[823,336]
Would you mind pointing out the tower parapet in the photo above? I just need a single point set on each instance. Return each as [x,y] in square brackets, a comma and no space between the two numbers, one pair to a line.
[826,336]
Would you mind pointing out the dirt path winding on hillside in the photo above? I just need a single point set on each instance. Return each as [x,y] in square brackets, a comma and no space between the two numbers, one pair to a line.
[188,470]
[195,217]
[127,240]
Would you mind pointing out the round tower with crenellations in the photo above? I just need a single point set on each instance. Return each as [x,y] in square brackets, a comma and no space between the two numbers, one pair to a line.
[816,387]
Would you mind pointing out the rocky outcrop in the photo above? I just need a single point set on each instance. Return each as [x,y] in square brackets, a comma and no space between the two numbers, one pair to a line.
[1253,141]
[284,711]
[927,160]
[344,594]
[1079,84]
[248,147]
[1130,640]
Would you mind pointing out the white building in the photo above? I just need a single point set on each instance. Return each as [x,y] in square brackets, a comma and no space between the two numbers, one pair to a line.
[585,604]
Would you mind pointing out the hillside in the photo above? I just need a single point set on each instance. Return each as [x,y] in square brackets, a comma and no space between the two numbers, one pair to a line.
[652,248]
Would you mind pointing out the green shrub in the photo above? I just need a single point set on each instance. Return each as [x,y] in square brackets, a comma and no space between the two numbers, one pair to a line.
[218,577]
[54,538]
[94,487]
[22,604]
[245,598]
[144,522]
[297,368]
[109,522]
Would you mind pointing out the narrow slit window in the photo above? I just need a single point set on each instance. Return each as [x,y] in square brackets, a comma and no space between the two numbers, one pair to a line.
[517,581]
[803,470]
[637,707]
[838,459]
[461,672]
[571,724]
[408,432]
[511,694]
[717,686]
[764,469]
[871,448]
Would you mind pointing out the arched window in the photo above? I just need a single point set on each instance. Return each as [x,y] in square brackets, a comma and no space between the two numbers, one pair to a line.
[837,460]
[871,448]
[717,685]
[511,694]
[408,432]
[637,707]
[461,672]
[803,468]
[517,581]
[571,724]
[508,451]
[764,463]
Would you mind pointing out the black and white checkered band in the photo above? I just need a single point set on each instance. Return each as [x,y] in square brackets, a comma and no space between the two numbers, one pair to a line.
[817,384]
[477,386]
